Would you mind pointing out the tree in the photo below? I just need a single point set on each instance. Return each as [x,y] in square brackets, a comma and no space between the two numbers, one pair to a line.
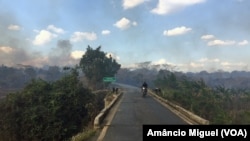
[95,65]
[47,111]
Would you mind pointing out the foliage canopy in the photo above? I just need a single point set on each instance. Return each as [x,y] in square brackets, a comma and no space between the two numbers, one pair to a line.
[95,64]
[47,110]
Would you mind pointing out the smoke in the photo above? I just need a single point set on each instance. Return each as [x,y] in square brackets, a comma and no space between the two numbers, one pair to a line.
[13,49]
[235,22]
[62,54]
[64,47]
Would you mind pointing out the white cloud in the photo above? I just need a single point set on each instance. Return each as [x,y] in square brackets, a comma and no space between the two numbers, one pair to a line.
[220,43]
[55,29]
[242,43]
[206,60]
[159,62]
[211,64]
[211,41]
[124,23]
[207,37]
[177,31]
[14,27]
[196,65]
[105,32]
[43,37]
[231,66]
[163,64]
[131,3]
[6,49]
[134,23]
[79,36]
[169,6]
[225,63]
[77,54]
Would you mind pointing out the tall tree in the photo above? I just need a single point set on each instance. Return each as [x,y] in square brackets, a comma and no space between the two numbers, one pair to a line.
[95,64]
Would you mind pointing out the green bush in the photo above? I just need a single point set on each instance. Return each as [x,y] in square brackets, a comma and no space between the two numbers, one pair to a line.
[45,111]
[218,105]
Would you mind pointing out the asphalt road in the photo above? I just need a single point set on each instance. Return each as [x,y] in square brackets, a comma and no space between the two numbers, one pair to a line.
[131,112]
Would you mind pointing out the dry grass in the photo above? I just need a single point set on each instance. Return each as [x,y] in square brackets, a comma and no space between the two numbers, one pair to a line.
[109,98]
[85,135]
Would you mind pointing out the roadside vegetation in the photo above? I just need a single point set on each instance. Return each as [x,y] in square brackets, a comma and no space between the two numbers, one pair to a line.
[61,105]
[219,105]
[58,110]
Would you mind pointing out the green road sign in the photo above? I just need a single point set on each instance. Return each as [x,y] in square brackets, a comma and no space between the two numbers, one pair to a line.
[108,79]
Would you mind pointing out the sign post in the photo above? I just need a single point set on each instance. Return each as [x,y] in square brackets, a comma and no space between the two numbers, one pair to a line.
[108,79]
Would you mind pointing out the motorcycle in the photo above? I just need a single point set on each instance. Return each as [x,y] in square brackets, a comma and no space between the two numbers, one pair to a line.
[144,91]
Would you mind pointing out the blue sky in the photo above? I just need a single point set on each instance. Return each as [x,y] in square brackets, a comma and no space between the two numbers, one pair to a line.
[192,35]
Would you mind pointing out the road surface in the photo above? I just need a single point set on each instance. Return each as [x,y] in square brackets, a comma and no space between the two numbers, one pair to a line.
[131,112]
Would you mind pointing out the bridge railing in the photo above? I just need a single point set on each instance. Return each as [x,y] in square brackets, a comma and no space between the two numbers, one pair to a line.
[193,118]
